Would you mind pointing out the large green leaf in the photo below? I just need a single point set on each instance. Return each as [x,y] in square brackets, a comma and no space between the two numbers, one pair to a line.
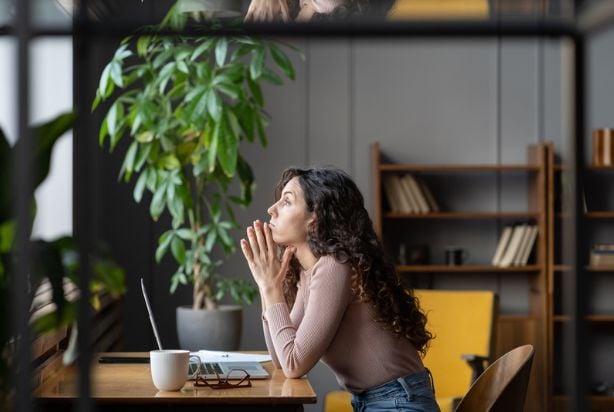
[282,61]
[42,139]
[228,148]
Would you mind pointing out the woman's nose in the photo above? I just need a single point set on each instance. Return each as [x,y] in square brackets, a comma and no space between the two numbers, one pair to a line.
[270,210]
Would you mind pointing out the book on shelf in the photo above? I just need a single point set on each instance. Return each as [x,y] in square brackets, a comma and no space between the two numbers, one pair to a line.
[512,248]
[524,240]
[419,197]
[392,192]
[433,206]
[504,239]
[517,250]
[409,195]
[603,147]
[528,245]
[602,255]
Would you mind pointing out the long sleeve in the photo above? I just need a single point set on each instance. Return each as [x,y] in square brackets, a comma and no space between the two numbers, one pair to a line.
[269,343]
[299,346]
[295,315]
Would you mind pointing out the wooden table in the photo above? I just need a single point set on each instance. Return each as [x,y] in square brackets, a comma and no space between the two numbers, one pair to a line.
[129,387]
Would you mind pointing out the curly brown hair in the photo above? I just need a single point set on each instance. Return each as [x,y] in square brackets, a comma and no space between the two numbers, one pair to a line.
[344,230]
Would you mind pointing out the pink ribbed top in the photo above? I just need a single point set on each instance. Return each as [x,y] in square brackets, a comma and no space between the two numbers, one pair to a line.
[327,322]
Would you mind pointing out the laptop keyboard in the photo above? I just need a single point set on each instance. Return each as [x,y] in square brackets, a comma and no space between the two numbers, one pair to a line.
[206,369]
[212,368]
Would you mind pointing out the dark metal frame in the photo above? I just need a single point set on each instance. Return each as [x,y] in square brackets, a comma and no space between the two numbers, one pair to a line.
[84,31]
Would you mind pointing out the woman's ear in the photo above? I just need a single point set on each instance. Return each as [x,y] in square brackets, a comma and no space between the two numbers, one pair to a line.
[311,220]
[310,225]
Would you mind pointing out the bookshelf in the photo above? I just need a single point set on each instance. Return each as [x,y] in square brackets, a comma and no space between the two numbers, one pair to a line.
[598,216]
[513,329]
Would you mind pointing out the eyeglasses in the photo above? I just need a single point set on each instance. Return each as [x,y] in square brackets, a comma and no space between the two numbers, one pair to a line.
[240,379]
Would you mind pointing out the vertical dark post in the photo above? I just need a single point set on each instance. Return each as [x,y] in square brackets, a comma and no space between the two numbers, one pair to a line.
[82,199]
[576,245]
[23,188]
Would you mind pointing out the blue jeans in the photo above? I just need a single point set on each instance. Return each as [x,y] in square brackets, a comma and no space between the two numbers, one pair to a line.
[412,393]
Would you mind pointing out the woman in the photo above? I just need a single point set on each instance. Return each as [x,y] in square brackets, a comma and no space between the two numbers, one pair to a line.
[333,296]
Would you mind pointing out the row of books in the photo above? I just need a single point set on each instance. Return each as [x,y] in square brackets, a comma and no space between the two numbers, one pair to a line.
[603,147]
[515,245]
[602,255]
[408,194]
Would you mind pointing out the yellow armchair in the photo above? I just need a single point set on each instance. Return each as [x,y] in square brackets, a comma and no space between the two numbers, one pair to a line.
[463,326]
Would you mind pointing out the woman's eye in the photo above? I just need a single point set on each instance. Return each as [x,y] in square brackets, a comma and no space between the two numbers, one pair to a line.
[285,203]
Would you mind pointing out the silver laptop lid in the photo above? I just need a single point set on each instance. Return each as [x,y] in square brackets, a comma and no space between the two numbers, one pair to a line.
[151,317]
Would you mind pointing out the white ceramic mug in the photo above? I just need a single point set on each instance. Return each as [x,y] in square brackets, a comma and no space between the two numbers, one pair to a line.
[169,368]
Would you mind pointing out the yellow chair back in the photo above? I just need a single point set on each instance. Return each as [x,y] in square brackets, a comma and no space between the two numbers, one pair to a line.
[462,322]
[438,9]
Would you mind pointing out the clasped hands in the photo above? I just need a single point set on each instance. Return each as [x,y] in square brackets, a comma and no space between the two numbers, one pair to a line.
[267,11]
[260,251]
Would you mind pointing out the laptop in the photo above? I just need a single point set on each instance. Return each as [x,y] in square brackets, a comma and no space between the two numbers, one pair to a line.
[209,369]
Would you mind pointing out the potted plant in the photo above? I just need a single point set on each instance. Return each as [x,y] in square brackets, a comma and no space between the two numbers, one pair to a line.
[187,104]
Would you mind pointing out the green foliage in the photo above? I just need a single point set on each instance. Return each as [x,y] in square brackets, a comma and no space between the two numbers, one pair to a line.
[54,260]
[187,103]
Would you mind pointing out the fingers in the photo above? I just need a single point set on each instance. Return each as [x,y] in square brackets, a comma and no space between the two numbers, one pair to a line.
[247,251]
[267,11]
[250,12]
[268,234]
[253,242]
[262,244]
[285,259]
[285,12]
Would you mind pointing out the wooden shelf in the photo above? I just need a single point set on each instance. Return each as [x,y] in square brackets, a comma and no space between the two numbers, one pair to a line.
[604,269]
[596,400]
[600,168]
[600,268]
[462,215]
[457,168]
[558,167]
[466,268]
[589,318]
[509,319]
[600,318]
[597,214]
[603,214]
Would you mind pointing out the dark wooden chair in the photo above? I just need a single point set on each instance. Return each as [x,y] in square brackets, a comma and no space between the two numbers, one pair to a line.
[503,385]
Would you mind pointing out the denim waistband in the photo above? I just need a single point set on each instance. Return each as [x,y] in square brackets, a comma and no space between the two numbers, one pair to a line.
[405,383]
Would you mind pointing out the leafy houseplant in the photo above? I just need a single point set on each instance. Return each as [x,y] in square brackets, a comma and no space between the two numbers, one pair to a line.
[187,103]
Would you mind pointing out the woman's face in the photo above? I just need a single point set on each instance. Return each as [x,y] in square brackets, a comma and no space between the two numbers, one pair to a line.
[289,217]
